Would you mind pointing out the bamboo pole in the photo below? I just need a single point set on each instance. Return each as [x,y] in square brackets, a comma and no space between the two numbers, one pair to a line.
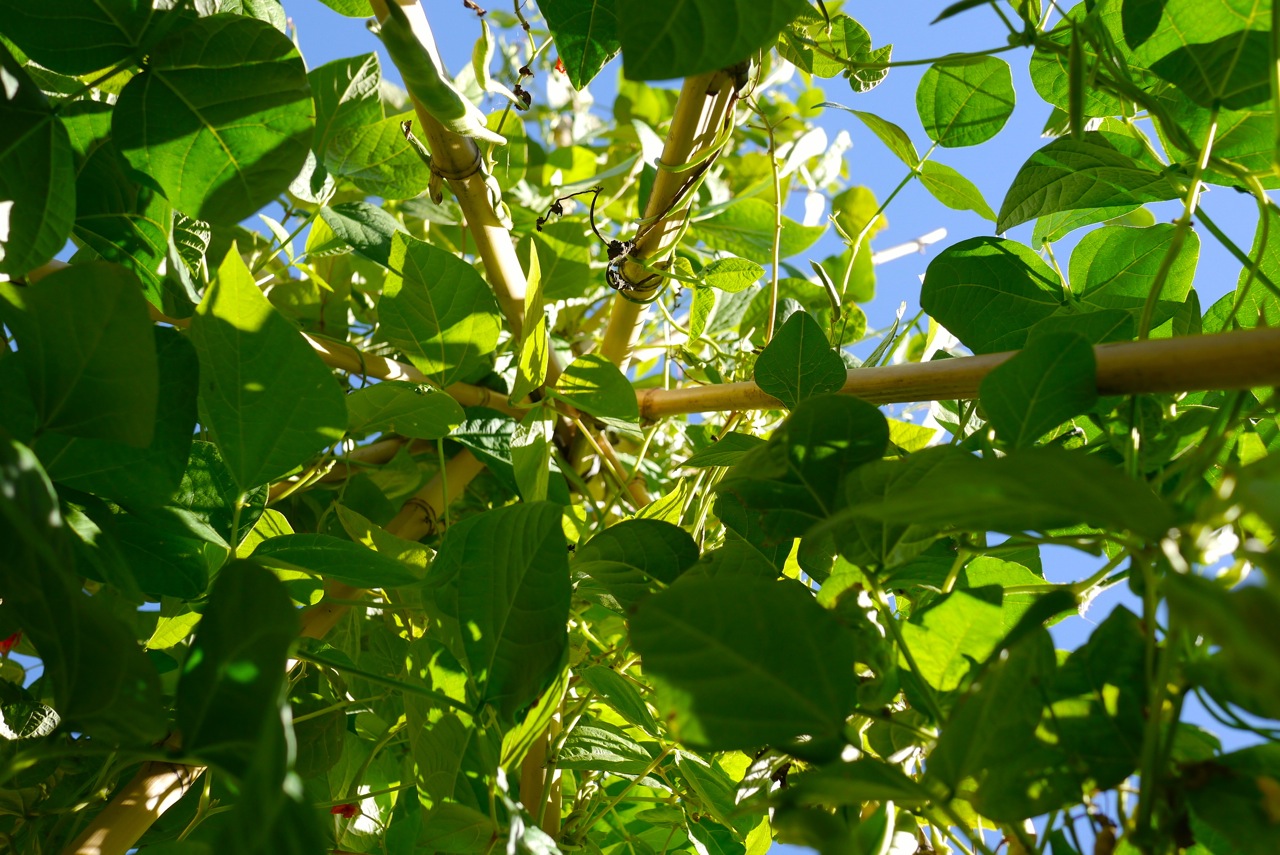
[1242,359]
[704,109]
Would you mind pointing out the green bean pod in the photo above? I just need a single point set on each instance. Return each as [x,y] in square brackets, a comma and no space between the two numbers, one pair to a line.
[424,81]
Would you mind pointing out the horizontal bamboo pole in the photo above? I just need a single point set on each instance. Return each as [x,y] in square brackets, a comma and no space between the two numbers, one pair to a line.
[1233,360]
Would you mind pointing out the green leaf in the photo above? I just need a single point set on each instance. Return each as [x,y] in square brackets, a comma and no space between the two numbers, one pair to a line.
[334,558]
[251,359]
[79,36]
[701,310]
[1217,54]
[794,481]
[455,828]
[378,158]
[438,310]
[621,695]
[596,746]
[663,39]
[367,228]
[890,134]
[231,680]
[1070,175]
[818,49]
[531,446]
[594,385]
[350,8]
[585,33]
[1041,387]
[745,228]
[513,600]
[799,363]
[37,175]
[1005,494]
[120,220]
[944,639]
[731,274]
[121,472]
[1259,306]
[86,345]
[632,559]
[535,346]
[101,680]
[954,190]
[965,101]
[221,117]
[1115,267]
[863,780]
[414,410]
[989,292]
[345,93]
[1099,696]
[727,450]
[746,662]
[992,736]
[1230,799]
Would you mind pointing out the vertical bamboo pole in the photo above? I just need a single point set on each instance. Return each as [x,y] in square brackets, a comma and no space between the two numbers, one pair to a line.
[703,110]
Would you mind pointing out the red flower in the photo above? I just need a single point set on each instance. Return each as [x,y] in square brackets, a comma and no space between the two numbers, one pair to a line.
[560,66]
[7,644]
[348,810]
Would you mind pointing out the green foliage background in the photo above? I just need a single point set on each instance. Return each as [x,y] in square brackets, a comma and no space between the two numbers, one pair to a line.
[828,628]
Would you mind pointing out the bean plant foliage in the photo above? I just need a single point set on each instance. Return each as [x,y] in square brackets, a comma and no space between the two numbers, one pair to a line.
[300,509]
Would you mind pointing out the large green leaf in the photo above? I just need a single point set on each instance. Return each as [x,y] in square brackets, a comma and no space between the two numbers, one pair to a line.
[794,481]
[992,737]
[1005,494]
[594,385]
[252,359]
[799,363]
[1070,174]
[586,35]
[885,543]
[409,409]
[101,681]
[117,218]
[954,190]
[345,92]
[439,310]
[1230,798]
[822,50]
[334,558]
[221,118]
[1115,267]
[602,748]
[513,600]
[124,473]
[366,228]
[1040,388]
[377,158]
[966,101]
[1218,54]
[86,345]
[79,36]
[231,680]
[37,177]
[632,559]
[621,695]
[662,39]
[946,638]
[746,662]
[989,292]
[745,228]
